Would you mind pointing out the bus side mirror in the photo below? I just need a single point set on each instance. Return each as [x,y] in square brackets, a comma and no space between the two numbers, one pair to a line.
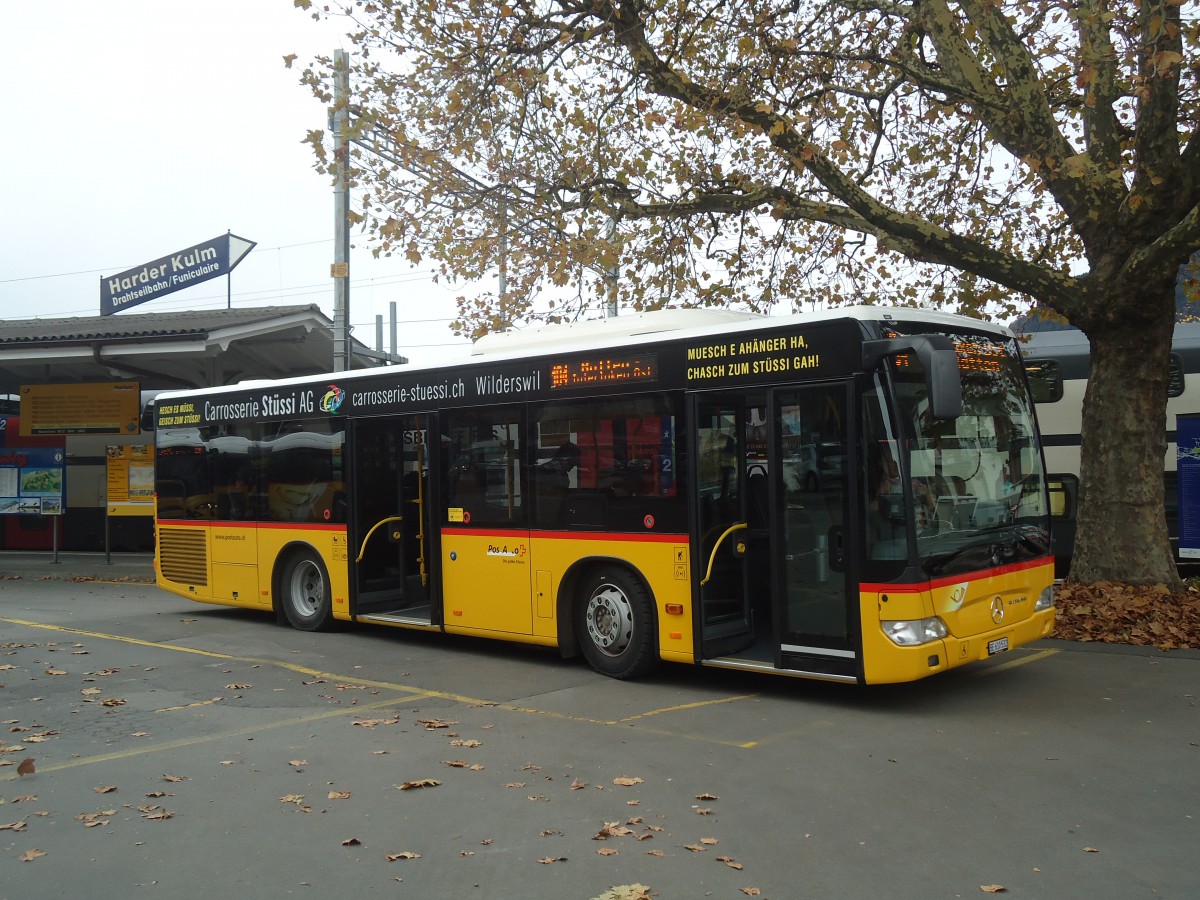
[939,360]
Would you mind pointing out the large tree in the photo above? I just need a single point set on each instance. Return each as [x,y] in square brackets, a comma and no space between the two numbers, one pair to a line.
[988,155]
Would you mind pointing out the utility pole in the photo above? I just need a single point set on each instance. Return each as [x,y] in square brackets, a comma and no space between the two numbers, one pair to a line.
[341,212]
[613,273]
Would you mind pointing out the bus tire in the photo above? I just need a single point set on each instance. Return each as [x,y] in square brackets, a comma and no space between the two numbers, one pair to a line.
[305,592]
[615,623]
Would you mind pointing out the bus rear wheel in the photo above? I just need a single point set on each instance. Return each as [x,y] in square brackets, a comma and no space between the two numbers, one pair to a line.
[615,624]
[307,598]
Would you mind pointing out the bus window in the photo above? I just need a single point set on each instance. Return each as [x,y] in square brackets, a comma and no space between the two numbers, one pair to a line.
[1045,380]
[304,480]
[605,463]
[182,481]
[485,480]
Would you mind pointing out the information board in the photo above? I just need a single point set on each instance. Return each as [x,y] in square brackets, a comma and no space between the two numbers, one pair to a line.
[102,408]
[32,480]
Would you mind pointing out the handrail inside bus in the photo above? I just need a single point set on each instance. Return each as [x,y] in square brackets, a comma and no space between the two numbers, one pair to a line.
[363,548]
[421,513]
[736,526]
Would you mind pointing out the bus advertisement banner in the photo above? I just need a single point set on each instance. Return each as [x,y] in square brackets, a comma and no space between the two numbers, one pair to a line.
[704,363]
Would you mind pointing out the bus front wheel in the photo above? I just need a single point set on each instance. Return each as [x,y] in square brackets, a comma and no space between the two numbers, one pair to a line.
[307,598]
[616,624]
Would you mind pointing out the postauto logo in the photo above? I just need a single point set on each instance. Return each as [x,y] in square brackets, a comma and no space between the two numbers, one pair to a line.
[332,401]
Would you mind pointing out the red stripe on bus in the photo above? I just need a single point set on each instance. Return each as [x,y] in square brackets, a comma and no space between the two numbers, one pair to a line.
[236,523]
[978,575]
[570,535]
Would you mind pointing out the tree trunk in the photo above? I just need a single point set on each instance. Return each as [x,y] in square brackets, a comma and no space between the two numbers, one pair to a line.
[1122,528]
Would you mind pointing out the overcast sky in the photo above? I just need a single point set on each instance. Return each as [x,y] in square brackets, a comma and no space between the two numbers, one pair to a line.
[137,128]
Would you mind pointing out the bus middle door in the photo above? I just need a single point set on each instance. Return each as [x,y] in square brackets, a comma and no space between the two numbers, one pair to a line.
[731,481]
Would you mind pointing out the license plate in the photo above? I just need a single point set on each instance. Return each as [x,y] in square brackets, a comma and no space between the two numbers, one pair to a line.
[997,646]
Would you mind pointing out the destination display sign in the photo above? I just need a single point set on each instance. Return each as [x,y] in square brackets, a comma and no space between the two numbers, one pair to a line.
[603,369]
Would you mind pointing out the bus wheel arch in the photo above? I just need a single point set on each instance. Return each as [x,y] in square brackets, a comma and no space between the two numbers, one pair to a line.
[302,594]
[607,611]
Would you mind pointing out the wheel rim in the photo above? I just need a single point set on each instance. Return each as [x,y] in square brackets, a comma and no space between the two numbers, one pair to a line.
[307,588]
[610,620]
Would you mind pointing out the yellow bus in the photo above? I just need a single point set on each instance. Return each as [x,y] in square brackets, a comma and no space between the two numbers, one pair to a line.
[854,495]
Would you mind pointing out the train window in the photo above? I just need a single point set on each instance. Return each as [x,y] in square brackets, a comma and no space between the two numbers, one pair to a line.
[1045,380]
[1175,376]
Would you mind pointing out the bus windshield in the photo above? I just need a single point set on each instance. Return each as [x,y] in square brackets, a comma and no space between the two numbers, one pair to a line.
[958,494]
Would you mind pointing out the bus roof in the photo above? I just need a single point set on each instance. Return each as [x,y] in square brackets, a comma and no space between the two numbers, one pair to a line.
[628,331]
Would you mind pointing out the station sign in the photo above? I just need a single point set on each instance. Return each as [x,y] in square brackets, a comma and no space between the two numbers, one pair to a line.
[167,274]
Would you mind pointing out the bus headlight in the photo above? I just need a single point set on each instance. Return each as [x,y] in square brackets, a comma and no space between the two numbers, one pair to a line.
[910,632]
[1045,599]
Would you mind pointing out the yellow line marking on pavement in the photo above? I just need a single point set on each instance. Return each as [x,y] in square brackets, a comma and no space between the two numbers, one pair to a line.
[411,692]
[190,705]
[683,706]
[1013,663]
[145,749]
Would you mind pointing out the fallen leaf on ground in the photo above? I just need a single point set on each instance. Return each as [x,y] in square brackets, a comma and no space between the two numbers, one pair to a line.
[339,795]
[420,783]
[626,892]
[993,888]
[433,724]
[351,842]
[30,855]
[626,780]
[26,767]
[403,854]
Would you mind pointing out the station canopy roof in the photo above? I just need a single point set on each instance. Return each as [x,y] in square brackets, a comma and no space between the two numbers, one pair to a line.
[171,350]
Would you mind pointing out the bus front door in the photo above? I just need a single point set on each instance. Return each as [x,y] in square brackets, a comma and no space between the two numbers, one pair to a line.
[386,535]
[817,633]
